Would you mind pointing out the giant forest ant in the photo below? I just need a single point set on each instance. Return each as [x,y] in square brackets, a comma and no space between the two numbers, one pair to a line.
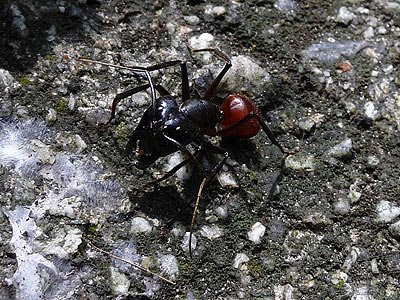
[167,127]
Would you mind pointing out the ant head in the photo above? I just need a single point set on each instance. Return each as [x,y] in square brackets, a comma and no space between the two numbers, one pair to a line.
[203,113]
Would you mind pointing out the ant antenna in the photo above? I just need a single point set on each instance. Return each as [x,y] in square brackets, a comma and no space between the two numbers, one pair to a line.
[134,69]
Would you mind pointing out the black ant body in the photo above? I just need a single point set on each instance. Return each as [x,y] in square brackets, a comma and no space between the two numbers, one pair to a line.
[167,127]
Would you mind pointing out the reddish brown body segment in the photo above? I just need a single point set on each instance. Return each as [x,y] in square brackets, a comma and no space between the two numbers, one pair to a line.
[235,109]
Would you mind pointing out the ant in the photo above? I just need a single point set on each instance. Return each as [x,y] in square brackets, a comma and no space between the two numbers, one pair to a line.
[167,127]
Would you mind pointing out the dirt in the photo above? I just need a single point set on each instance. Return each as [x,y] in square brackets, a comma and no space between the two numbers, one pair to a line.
[297,258]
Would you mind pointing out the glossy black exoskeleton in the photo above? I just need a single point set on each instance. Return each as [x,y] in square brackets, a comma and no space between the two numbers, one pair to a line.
[167,126]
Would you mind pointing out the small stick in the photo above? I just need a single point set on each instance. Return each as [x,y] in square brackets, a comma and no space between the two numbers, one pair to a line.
[203,183]
[128,262]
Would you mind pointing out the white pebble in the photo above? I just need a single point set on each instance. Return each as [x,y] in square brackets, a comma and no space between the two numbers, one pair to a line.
[339,277]
[306,124]
[387,211]
[368,33]
[140,225]
[204,40]
[342,149]
[119,282]
[185,242]
[372,161]
[211,232]
[169,265]
[218,10]
[370,111]
[395,229]
[192,20]
[51,115]
[221,212]
[342,206]
[256,232]
[240,258]
[226,180]
[6,79]
[300,162]
[79,143]
[344,16]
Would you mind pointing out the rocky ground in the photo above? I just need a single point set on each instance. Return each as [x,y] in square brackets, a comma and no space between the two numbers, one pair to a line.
[322,224]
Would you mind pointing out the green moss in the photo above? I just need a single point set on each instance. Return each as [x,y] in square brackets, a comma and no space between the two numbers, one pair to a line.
[62,105]
[340,283]
[50,57]
[122,132]
[91,229]
[24,80]
[255,268]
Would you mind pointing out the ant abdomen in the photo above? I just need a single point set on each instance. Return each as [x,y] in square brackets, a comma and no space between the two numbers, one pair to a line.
[237,109]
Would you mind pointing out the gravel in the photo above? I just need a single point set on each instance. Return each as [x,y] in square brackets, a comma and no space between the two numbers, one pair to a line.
[320,223]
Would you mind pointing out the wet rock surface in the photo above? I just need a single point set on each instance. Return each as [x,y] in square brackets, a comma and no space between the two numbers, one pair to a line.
[323,224]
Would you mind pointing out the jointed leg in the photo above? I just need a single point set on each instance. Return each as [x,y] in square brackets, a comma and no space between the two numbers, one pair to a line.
[173,170]
[147,70]
[206,180]
[131,92]
[213,87]
[264,127]
[186,151]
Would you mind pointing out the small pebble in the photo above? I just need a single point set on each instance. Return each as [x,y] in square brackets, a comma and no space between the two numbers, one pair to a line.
[169,265]
[339,277]
[306,124]
[372,161]
[178,230]
[192,20]
[387,211]
[300,162]
[368,33]
[6,79]
[79,143]
[140,225]
[211,232]
[119,282]
[51,116]
[394,229]
[218,10]
[226,180]
[221,212]
[344,16]
[317,220]
[351,258]
[256,232]
[185,242]
[370,111]
[240,258]
[342,206]
[204,40]
[374,266]
[341,150]
[286,6]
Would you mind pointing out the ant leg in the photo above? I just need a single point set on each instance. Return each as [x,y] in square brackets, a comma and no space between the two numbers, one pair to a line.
[206,180]
[186,151]
[146,71]
[264,127]
[131,92]
[184,74]
[228,64]
[172,171]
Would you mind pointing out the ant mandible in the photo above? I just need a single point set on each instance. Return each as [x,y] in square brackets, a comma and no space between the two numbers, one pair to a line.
[167,127]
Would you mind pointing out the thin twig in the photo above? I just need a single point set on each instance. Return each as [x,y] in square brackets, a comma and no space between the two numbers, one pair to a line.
[129,262]
[203,183]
